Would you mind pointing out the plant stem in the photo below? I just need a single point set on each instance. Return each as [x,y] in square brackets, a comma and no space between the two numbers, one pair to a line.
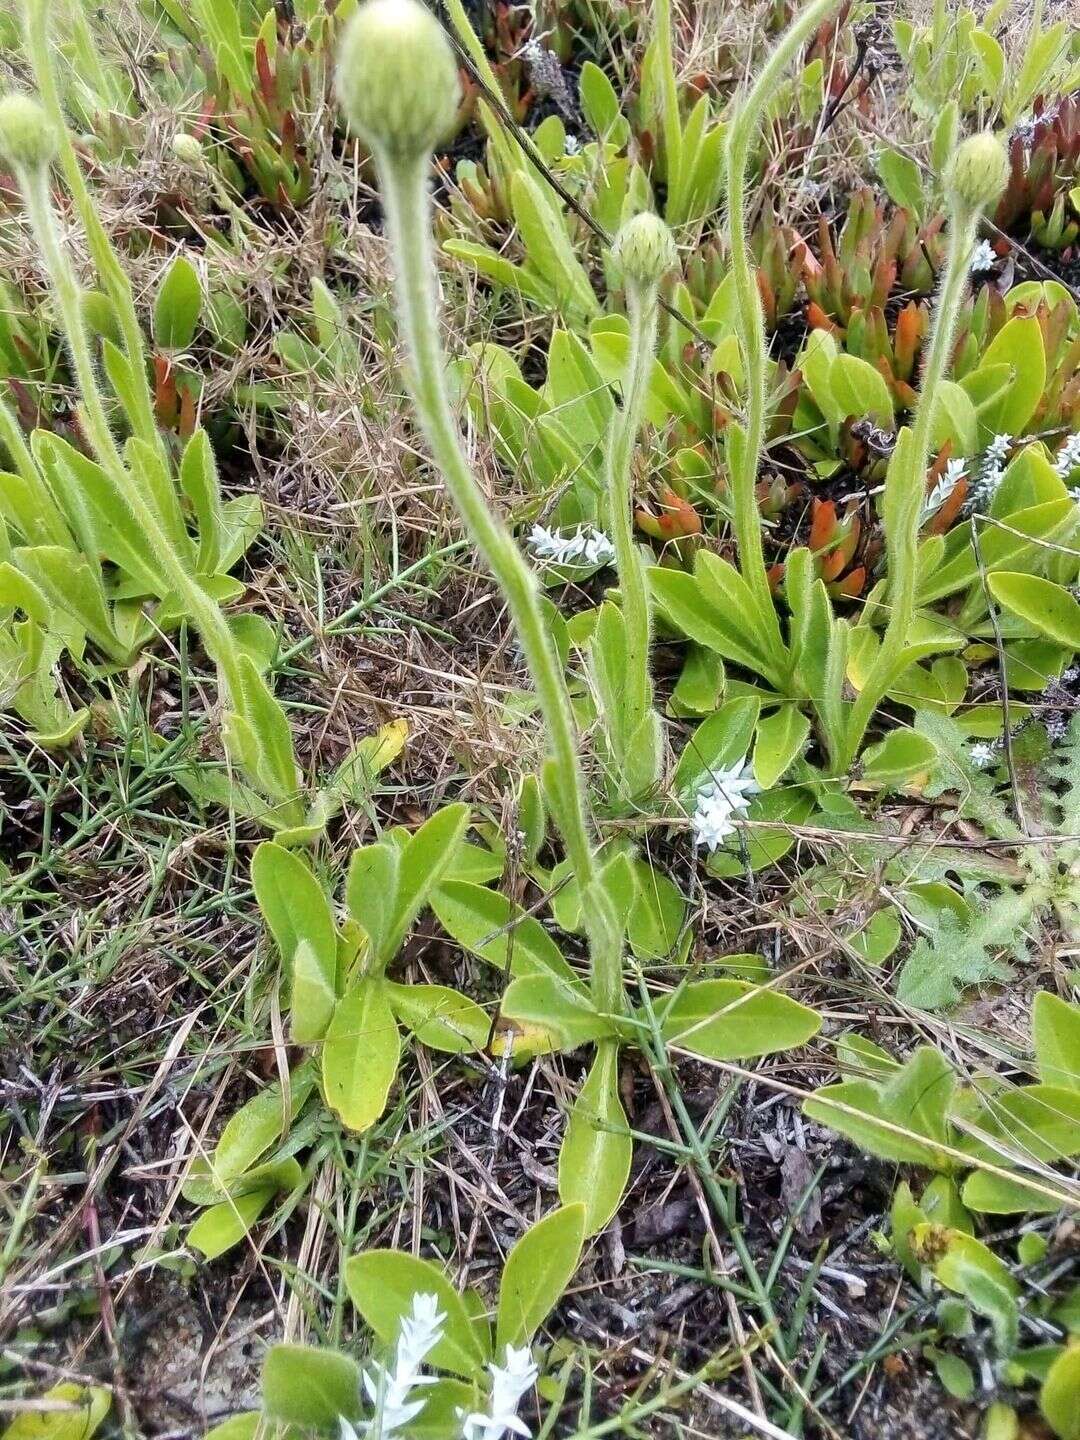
[905,485]
[751,317]
[633,588]
[109,268]
[408,224]
[203,609]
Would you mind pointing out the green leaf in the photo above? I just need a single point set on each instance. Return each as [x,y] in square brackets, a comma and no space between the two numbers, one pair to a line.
[1055,1029]
[440,1018]
[731,1020]
[176,309]
[201,1188]
[245,1426]
[490,925]
[723,628]
[223,1226]
[444,1402]
[89,1406]
[781,737]
[597,1149]
[901,756]
[382,1283]
[371,895]
[544,1004]
[1059,1398]
[425,861]
[310,1387]
[1047,608]
[914,1099]
[1019,344]
[598,100]
[258,738]
[360,1055]
[762,845]
[1040,1122]
[954,1373]
[970,1269]
[537,1272]
[657,916]
[995,1195]
[199,482]
[298,914]
[716,744]
[859,389]
[260,1124]
[902,180]
[550,252]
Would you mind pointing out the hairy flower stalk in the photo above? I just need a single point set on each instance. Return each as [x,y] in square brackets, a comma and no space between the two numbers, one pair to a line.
[28,141]
[974,180]
[644,251]
[399,86]
[19,115]
[111,272]
[745,459]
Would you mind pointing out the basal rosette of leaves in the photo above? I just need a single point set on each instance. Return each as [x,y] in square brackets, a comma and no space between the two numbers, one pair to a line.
[996,1148]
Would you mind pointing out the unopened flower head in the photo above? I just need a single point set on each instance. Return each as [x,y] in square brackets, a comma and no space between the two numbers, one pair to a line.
[27,139]
[644,250]
[187,149]
[977,173]
[397,79]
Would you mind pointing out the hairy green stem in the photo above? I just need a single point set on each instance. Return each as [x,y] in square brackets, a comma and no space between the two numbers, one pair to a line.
[751,317]
[109,268]
[408,223]
[905,486]
[633,587]
[203,609]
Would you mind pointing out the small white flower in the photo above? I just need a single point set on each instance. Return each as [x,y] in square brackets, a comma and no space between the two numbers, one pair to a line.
[983,258]
[726,794]
[572,145]
[998,448]
[991,473]
[587,546]
[509,1384]
[390,1391]
[1068,457]
[955,470]
[981,753]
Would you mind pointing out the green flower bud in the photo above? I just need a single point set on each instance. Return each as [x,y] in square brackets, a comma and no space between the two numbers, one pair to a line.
[977,173]
[397,78]
[27,140]
[187,149]
[644,250]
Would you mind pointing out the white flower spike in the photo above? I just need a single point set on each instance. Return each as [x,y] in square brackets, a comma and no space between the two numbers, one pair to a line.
[724,796]
[587,546]
[955,470]
[390,1391]
[983,258]
[510,1382]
